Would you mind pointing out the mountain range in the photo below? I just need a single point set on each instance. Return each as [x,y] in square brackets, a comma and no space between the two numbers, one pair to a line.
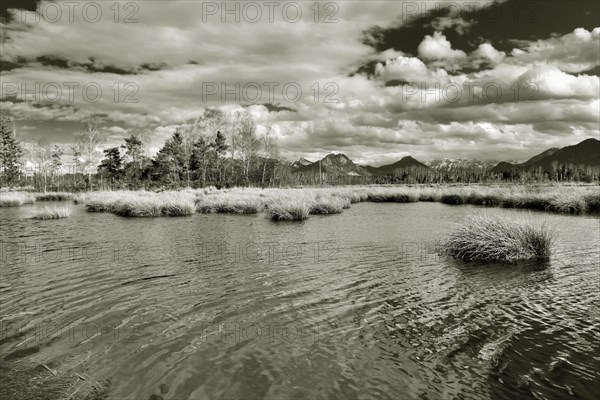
[450,165]
[585,153]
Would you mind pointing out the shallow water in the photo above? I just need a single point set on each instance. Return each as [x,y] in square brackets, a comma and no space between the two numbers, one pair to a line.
[348,306]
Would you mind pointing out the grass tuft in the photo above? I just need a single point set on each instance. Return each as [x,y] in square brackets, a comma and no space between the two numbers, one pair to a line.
[228,203]
[55,212]
[16,199]
[329,205]
[288,209]
[452,199]
[141,204]
[491,238]
[393,195]
[592,201]
[54,196]
[484,200]
[568,204]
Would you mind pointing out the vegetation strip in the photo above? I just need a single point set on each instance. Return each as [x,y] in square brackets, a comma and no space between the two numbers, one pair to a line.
[298,203]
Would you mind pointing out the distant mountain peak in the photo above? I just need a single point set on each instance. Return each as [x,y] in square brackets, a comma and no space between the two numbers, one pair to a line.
[404,164]
[335,164]
[448,165]
[586,152]
[301,162]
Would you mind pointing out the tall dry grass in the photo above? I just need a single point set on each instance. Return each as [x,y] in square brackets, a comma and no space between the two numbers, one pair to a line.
[54,196]
[48,212]
[332,200]
[140,204]
[288,208]
[16,199]
[488,238]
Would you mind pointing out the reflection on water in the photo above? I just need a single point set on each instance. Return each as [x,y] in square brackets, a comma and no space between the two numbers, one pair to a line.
[355,305]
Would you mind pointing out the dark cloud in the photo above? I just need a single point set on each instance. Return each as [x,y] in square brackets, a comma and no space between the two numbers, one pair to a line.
[10,65]
[154,66]
[276,108]
[501,23]
[593,71]
[5,5]
[92,66]
[396,82]
[505,25]
[53,61]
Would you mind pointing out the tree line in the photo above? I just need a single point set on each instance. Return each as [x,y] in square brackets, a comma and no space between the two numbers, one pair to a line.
[218,149]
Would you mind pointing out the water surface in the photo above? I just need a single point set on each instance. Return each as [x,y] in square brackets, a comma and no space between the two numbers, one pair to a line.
[349,306]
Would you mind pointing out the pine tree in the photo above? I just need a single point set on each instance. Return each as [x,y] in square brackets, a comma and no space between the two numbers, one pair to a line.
[110,166]
[10,153]
[134,152]
[170,163]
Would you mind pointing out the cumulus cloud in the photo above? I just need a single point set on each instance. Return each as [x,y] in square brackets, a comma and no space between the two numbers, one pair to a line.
[550,82]
[486,52]
[409,69]
[574,52]
[437,47]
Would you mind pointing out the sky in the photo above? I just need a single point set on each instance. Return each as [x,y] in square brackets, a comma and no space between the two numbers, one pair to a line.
[376,80]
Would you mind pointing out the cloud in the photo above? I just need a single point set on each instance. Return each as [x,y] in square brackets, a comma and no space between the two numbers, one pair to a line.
[487,52]
[458,23]
[437,47]
[574,52]
[378,114]
[550,82]
[438,51]
[409,69]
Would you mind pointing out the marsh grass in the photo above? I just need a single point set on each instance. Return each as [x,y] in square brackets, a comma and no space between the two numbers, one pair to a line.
[533,202]
[329,205]
[230,203]
[51,212]
[16,199]
[487,238]
[54,196]
[141,204]
[429,194]
[332,200]
[483,199]
[357,195]
[393,195]
[567,203]
[451,199]
[140,207]
[592,201]
[288,208]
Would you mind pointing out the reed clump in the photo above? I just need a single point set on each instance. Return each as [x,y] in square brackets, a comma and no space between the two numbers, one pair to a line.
[393,195]
[452,199]
[487,238]
[230,203]
[54,196]
[16,199]
[142,204]
[287,208]
[592,201]
[484,199]
[329,205]
[55,212]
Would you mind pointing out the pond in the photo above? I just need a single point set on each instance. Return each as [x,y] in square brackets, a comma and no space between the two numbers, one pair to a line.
[356,305]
